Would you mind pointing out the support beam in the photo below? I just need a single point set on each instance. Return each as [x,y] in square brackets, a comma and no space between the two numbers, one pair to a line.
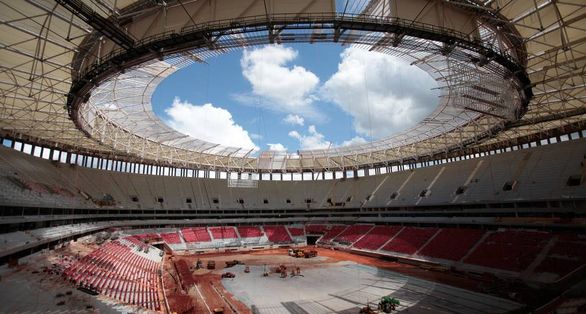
[99,23]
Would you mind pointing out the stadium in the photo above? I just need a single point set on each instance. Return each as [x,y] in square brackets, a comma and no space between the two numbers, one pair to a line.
[478,207]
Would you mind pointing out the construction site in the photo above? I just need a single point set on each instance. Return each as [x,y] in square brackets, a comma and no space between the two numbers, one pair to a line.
[274,281]
[293,157]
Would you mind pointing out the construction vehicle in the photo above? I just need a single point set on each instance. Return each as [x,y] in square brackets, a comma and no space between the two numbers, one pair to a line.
[247,269]
[211,265]
[232,263]
[228,275]
[310,254]
[302,253]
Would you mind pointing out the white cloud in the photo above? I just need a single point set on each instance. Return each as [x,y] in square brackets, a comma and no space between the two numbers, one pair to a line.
[357,140]
[294,119]
[283,88]
[277,147]
[382,93]
[256,136]
[209,123]
[312,140]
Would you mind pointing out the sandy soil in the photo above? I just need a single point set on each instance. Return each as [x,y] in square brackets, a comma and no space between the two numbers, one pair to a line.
[209,294]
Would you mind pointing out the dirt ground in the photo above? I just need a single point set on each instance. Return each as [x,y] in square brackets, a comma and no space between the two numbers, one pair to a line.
[208,293]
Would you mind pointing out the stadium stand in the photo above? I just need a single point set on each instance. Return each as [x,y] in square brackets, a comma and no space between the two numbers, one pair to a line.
[452,243]
[409,240]
[512,250]
[277,234]
[315,229]
[352,233]
[377,237]
[332,232]
[171,238]
[197,234]
[296,231]
[566,255]
[116,271]
[221,233]
[249,232]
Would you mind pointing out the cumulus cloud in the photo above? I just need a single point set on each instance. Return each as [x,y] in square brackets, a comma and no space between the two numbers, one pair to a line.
[294,119]
[209,123]
[357,140]
[277,147]
[312,140]
[283,88]
[382,93]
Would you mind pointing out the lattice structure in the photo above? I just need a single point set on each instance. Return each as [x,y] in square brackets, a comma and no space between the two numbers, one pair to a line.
[52,53]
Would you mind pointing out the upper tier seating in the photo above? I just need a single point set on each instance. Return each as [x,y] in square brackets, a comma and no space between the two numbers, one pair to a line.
[220,233]
[249,232]
[353,233]
[277,234]
[511,250]
[452,243]
[377,237]
[409,240]
[541,173]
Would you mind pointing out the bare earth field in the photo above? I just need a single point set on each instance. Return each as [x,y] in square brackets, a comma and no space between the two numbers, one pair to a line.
[333,282]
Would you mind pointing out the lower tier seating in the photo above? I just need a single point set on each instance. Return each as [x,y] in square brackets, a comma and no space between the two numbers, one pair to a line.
[452,243]
[116,271]
[377,237]
[566,255]
[277,234]
[353,233]
[296,231]
[195,235]
[512,250]
[409,240]
[331,233]
[171,238]
[220,233]
[249,232]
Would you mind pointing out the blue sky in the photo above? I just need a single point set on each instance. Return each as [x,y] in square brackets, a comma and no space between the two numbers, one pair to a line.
[295,97]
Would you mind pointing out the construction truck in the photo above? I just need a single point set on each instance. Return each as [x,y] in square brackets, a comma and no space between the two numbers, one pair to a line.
[302,253]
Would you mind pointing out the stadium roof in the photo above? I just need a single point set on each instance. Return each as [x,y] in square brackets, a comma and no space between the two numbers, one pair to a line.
[79,74]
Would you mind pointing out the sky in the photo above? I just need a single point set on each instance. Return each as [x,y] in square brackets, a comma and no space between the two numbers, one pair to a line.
[295,97]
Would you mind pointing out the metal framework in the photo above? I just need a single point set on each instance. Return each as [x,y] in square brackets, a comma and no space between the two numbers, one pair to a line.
[71,82]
